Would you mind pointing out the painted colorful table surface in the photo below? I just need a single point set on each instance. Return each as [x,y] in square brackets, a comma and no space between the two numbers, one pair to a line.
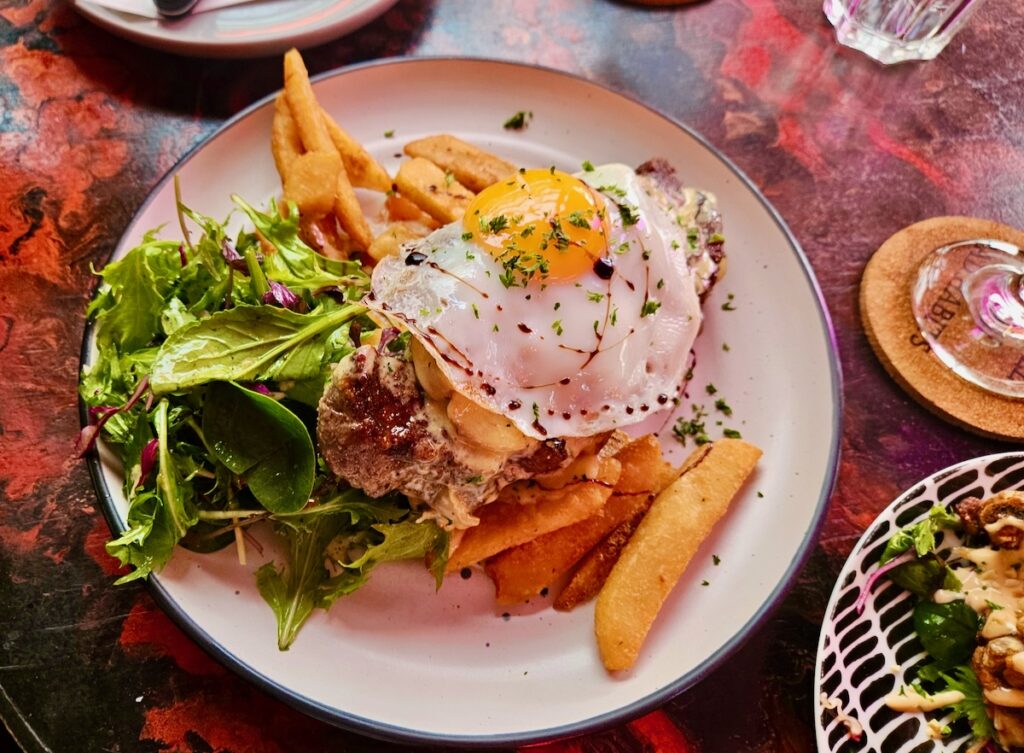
[847,150]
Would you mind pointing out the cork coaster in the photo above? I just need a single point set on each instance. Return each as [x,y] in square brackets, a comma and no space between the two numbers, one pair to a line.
[894,334]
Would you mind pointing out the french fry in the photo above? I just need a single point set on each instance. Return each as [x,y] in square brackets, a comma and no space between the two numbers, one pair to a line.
[401,209]
[471,166]
[362,169]
[285,143]
[679,520]
[594,568]
[523,512]
[643,468]
[303,105]
[394,235]
[427,186]
[349,213]
[522,572]
[309,181]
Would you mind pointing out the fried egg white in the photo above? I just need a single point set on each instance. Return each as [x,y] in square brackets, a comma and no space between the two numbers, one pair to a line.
[562,302]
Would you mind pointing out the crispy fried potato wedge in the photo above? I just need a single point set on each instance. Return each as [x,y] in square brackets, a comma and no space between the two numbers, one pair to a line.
[349,213]
[303,105]
[594,568]
[523,512]
[285,143]
[471,166]
[679,520]
[394,235]
[400,209]
[522,572]
[310,181]
[362,169]
[643,468]
[427,186]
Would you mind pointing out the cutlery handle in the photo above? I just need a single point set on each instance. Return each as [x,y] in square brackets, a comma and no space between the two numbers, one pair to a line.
[174,8]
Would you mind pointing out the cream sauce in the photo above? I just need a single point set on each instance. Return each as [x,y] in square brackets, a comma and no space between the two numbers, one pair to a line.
[1009,697]
[1010,521]
[992,587]
[854,729]
[909,699]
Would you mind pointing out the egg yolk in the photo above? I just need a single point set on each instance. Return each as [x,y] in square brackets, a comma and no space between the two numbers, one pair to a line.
[539,224]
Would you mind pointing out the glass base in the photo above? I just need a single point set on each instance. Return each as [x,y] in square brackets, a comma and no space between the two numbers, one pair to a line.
[967,301]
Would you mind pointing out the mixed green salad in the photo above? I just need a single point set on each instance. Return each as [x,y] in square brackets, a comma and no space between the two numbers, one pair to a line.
[948,631]
[211,356]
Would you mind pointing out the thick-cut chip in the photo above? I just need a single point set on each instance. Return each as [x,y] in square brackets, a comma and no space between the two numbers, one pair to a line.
[471,166]
[285,143]
[400,209]
[394,235]
[522,572]
[593,570]
[679,520]
[643,467]
[362,169]
[523,512]
[436,193]
[349,213]
[310,181]
[303,105]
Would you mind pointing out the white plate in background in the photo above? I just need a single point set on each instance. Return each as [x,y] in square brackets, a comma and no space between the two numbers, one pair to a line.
[396,660]
[262,27]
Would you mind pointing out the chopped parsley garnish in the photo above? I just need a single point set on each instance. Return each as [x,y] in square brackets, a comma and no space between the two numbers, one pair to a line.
[557,327]
[692,236]
[716,559]
[711,389]
[597,325]
[555,235]
[630,214]
[449,177]
[693,428]
[476,311]
[527,231]
[727,306]
[716,238]
[595,297]
[494,328]
[474,479]
[649,307]
[389,134]
[722,406]
[519,269]
[615,315]
[622,248]
[660,285]
[536,412]
[675,245]
[588,166]
[705,583]
[731,434]
[725,347]
[558,305]
[467,236]
[576,219]
[518,121]
[614,190]
[495,224]
[760,495]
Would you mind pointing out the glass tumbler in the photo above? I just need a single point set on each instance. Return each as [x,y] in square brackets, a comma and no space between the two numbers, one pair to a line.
[894,31]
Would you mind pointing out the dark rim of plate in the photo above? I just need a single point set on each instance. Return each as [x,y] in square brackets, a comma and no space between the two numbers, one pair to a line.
[383,731]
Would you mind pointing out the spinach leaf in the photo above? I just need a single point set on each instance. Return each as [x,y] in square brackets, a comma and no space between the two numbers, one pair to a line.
[258,438]
[920,536]
[157,519]
[948,632]
[247,343]
[925,576]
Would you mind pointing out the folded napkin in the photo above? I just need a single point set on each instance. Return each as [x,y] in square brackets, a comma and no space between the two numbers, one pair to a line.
[146,9]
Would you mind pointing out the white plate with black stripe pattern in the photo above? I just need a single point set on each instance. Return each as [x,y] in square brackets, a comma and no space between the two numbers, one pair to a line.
[864,656]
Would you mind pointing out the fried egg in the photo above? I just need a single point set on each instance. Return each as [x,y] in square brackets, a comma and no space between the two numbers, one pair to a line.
[567,303]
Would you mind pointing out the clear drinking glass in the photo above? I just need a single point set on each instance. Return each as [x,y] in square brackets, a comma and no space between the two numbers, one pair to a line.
[894,31]
[968,299]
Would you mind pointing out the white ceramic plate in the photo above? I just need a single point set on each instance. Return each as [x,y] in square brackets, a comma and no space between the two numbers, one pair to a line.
[858,654]
[265,27]
[396,659]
